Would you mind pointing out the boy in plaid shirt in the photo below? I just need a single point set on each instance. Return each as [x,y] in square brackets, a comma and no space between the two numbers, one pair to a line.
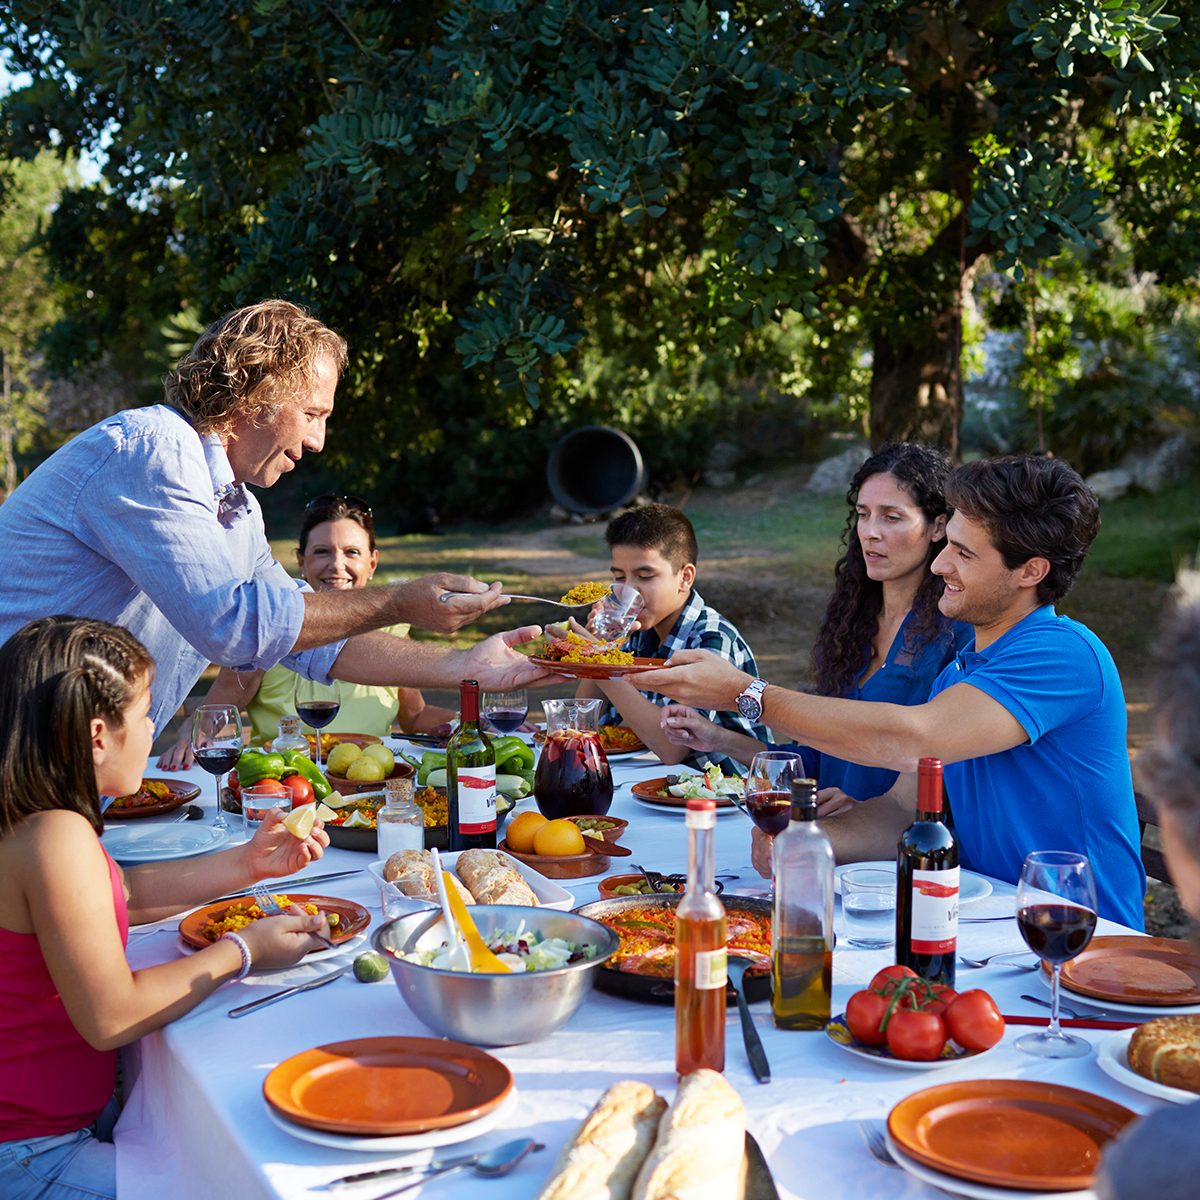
[653,549]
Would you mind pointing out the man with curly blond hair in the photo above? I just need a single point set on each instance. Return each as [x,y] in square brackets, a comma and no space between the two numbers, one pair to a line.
[145,520]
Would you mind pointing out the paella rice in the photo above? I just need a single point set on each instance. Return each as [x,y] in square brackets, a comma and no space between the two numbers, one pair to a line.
[433,805]
[586,593]
[576,649]
[239,915]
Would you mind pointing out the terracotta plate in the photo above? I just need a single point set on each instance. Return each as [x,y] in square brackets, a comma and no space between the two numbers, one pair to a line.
[1136,970]
[386,1086]
[1008,1132]
[648,791]
[182,793]
[598,670]
[561,866]
[357,739]
[353,917]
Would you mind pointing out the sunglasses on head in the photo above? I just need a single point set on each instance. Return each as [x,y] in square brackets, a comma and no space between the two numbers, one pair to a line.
[349,503]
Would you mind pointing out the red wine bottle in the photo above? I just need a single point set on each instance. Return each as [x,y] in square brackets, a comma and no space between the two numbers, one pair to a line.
[470,778]
[927,884]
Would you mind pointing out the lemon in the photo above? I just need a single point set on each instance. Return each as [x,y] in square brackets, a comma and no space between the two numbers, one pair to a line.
[382,755]
[299,821]
[558,838]
[357,820]
[365,769]
[324,812]
[341,756]
[370,967]
[521,830]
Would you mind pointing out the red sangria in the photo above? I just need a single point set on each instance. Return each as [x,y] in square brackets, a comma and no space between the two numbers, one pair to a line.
[573,778]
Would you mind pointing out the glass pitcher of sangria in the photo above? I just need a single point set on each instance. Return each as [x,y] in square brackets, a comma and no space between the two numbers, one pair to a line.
[572,778]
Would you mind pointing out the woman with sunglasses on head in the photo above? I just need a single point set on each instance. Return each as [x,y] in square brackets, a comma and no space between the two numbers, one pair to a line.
[336,552]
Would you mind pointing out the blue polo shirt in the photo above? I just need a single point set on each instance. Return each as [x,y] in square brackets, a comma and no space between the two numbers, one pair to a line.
[905,677]
[1069,786]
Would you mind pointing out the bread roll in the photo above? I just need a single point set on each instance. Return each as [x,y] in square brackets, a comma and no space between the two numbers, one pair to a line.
[700,1151]
[601,1161]
[491,879]
[412,872]
[1167,1050]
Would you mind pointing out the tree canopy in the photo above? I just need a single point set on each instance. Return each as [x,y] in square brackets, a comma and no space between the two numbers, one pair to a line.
[520,214]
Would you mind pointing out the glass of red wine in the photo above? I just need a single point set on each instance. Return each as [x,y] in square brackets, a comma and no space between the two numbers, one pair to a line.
[769,789]
[316,705]
[1056,914]
[217,745]
[505,711]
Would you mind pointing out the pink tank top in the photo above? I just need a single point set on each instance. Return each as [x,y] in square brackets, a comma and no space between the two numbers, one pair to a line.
[51,1080]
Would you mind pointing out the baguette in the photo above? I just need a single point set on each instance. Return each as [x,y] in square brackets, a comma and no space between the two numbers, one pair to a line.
[492,881]
[603,1158]
[700,1151]
[412,872]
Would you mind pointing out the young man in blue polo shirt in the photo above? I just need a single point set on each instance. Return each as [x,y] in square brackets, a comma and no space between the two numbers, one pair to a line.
[1029,720]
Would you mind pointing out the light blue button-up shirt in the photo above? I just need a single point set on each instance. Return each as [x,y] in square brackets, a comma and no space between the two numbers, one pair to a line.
[138,521]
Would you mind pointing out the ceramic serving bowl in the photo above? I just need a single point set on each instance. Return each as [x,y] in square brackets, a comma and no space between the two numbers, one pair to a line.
[609,829]
[494,1010]
[352,787]
[562,866]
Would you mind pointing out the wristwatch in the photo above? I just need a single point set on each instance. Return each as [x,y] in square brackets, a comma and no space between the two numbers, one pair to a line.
[749,702]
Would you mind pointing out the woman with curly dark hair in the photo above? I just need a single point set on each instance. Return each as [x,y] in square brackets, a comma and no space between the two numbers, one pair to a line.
[883,637]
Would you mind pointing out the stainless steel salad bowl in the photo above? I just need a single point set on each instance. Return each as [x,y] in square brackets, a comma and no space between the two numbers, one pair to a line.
[494,1010]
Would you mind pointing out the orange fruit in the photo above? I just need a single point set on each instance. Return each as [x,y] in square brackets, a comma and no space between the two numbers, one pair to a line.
[521,829]
[558,837]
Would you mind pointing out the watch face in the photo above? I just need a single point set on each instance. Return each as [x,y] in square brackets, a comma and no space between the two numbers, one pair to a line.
[750,701]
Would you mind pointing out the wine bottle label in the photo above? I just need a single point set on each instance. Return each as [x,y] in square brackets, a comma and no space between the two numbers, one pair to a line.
[477,799]
[934,911]
[712,968]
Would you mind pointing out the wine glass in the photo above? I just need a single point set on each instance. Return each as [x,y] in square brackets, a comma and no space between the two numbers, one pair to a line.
[1056,914]
[769,789]
[505,711]
[217,745]
[316,705]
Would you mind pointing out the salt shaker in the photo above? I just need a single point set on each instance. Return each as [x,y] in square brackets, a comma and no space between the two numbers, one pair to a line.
[400,822]
[290,737]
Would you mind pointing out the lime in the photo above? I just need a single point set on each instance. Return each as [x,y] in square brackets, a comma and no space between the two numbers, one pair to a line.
[370,967]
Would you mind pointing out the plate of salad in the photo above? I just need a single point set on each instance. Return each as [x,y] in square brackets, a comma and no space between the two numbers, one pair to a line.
[674,791]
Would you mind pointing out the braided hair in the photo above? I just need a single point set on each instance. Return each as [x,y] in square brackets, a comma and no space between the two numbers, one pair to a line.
[59,674]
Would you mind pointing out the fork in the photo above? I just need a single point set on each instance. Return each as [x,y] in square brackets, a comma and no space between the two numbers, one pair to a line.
[267,902]
[872,1134]
[983,962]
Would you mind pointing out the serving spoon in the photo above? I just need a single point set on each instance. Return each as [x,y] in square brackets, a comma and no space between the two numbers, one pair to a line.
[446,597]
[458,957]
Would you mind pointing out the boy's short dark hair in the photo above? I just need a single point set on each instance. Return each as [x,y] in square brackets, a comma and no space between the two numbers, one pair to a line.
[655,527]
[1031,507]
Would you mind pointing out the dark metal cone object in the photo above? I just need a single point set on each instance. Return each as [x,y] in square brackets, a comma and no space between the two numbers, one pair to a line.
[754,1047]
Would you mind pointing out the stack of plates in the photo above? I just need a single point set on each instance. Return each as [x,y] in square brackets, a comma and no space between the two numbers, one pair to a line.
[999,1139]
[389,1094]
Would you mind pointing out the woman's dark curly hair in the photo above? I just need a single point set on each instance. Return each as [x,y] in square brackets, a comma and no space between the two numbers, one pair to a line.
[843,645]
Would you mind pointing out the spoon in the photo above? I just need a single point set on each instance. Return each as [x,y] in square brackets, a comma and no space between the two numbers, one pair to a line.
[738,965]
[490,1165]
[445,597]
[458,956]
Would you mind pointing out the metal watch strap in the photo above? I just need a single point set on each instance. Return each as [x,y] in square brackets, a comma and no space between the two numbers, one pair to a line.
[749,701]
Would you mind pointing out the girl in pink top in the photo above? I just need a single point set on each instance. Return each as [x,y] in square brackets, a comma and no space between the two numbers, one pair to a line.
[74,701]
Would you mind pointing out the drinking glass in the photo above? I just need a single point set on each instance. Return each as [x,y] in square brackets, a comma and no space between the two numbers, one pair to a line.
[505,711]
[317,704]
[257,801]
[614,613]
[1056,914]
[769,789]
[869,907]
[217,745]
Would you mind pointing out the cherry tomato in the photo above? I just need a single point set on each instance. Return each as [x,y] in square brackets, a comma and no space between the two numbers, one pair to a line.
[864,1015]
[916,1036]
[974,1021]
[886,979]
[301,789]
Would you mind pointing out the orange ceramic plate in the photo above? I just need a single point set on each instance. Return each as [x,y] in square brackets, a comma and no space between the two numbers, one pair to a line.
[1147,971]
[598,670]
[648,790]
[181,793]
[387,1086]
[1015,1133]
[352,918]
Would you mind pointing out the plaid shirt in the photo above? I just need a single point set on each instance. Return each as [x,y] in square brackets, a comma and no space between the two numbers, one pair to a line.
[699,627]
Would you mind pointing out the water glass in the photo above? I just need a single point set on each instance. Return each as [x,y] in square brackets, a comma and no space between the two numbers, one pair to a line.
[257,801]
[869,907]
[615,613]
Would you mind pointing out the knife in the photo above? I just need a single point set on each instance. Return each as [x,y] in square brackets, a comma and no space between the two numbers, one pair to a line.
[243,1009]
[287,883]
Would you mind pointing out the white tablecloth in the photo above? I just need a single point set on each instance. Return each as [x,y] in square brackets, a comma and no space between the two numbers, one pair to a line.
[195,1124]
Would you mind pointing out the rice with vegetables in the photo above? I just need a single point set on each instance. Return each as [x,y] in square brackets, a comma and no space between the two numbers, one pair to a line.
[586,593]
[238,916]
[576,649]
[433,805]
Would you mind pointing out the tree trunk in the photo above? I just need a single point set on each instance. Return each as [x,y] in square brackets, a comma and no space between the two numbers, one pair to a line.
[916,384]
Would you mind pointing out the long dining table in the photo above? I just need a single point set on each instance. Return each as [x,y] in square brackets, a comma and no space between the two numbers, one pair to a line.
[195,1123]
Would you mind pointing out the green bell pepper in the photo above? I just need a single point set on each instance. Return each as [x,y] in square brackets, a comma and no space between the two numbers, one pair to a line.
[513,756]
[299,762]
[256,765]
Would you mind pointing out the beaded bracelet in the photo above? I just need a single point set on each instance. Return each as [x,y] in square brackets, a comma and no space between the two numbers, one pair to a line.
[244,951]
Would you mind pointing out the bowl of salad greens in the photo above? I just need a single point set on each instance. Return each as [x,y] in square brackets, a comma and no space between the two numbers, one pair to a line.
[553,957]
